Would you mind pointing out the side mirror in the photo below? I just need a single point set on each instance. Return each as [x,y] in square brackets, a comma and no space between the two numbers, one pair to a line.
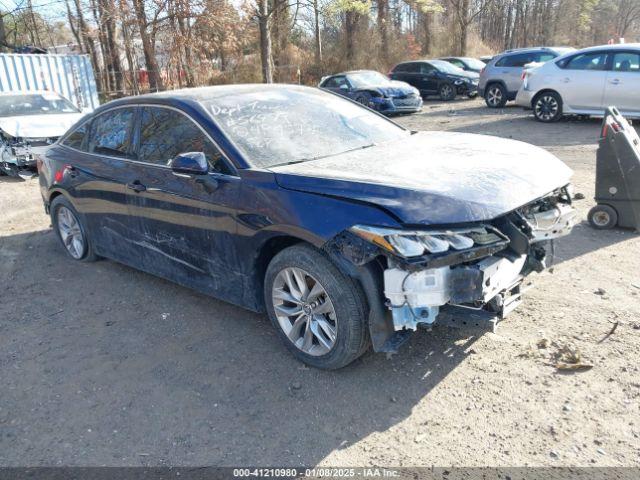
[190,162]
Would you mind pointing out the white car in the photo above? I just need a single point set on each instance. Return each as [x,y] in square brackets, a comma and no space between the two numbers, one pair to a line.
[584,82]
[29,123]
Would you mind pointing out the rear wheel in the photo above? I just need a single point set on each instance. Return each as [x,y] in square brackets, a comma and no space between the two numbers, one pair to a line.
[318,312]
[603,217]
[547,107]
[447,92]
[495,96]
[70,230]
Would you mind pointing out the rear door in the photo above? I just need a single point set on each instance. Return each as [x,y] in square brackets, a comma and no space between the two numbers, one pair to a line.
[622,85]
[100,171]
[410,73]
[510,67]
[582,79]
[184,222]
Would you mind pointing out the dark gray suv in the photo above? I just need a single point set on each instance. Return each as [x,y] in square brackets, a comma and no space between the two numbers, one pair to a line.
[502,77]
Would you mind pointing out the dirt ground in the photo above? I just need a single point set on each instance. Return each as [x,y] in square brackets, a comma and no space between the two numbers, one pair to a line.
[104,365]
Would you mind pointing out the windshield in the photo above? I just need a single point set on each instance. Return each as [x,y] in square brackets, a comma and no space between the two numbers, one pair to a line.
[446,67]
[362,79]
[34,104]
[280,126]
[474,63]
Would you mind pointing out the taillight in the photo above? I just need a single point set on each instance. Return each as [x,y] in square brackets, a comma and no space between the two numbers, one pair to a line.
[58,176]
[523,76]
[482,70]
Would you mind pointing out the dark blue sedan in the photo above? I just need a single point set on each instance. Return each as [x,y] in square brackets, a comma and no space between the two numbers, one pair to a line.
[347,229]
[375,90]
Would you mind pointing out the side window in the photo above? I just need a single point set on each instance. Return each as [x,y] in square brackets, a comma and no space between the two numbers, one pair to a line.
[411,67]
[336,82]
[165,133]
[76,138]
[585,61]
[426,68]
[111,133]
[626,62]
[543,57]
[457,63]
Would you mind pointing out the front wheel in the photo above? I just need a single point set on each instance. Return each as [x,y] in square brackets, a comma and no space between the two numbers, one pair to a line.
[318,312]
[547,107]
[447,92]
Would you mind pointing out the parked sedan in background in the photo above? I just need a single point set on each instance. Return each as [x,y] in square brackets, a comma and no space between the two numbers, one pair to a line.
[375,90]
[502,77]
[584,82]
[29,123]
[345,228]
[466,63]
[437,77]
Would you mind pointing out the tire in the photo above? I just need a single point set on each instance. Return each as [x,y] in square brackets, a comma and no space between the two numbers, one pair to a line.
[341,305]
[495,95]
[603,217]
[547,107]
[447,92]
[67,223]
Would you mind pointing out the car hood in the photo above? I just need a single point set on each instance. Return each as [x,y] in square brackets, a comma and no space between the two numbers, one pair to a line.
[395,88]
[434,178]
[464,75]
[38,126]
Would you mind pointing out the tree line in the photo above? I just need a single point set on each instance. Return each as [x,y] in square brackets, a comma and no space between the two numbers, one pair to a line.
[150,45]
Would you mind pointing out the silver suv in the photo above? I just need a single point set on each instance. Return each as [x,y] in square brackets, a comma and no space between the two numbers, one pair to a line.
[502,77]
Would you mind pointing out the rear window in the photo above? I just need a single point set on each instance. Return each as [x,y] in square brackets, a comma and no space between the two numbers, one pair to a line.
[517,60]
[76,138]
[626,62]
[407,67]
[111,133]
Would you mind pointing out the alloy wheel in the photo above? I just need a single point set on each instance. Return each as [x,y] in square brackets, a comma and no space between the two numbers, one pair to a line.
[494,96]
[70,232]
[446,91]
[304,311]
[546,108]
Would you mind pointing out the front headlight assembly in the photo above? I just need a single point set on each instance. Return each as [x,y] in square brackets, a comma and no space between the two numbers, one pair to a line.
[416,243]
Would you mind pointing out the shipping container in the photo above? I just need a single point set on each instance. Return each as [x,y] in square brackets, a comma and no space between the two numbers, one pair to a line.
[71,76]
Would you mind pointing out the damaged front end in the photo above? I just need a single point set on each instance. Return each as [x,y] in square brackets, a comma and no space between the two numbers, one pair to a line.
[464,275]
[18,156]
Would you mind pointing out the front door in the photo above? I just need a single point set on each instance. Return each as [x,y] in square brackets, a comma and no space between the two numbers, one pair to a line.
[185,222]
[622,86]
[582,80]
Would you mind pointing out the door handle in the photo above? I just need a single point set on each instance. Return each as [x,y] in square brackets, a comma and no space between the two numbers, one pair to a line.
[614,81]
[136,186]
[566,79]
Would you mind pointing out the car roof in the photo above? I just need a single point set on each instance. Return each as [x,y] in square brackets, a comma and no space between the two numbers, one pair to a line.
[191,96]
[616,46]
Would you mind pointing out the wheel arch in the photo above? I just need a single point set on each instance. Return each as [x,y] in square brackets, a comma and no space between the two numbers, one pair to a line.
[546,90]
[495,81]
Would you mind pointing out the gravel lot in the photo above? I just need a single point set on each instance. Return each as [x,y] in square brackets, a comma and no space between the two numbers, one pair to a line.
[104,365]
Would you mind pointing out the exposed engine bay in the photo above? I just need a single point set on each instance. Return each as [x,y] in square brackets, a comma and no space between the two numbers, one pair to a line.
[489,275]
[18,156]
[458,275]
